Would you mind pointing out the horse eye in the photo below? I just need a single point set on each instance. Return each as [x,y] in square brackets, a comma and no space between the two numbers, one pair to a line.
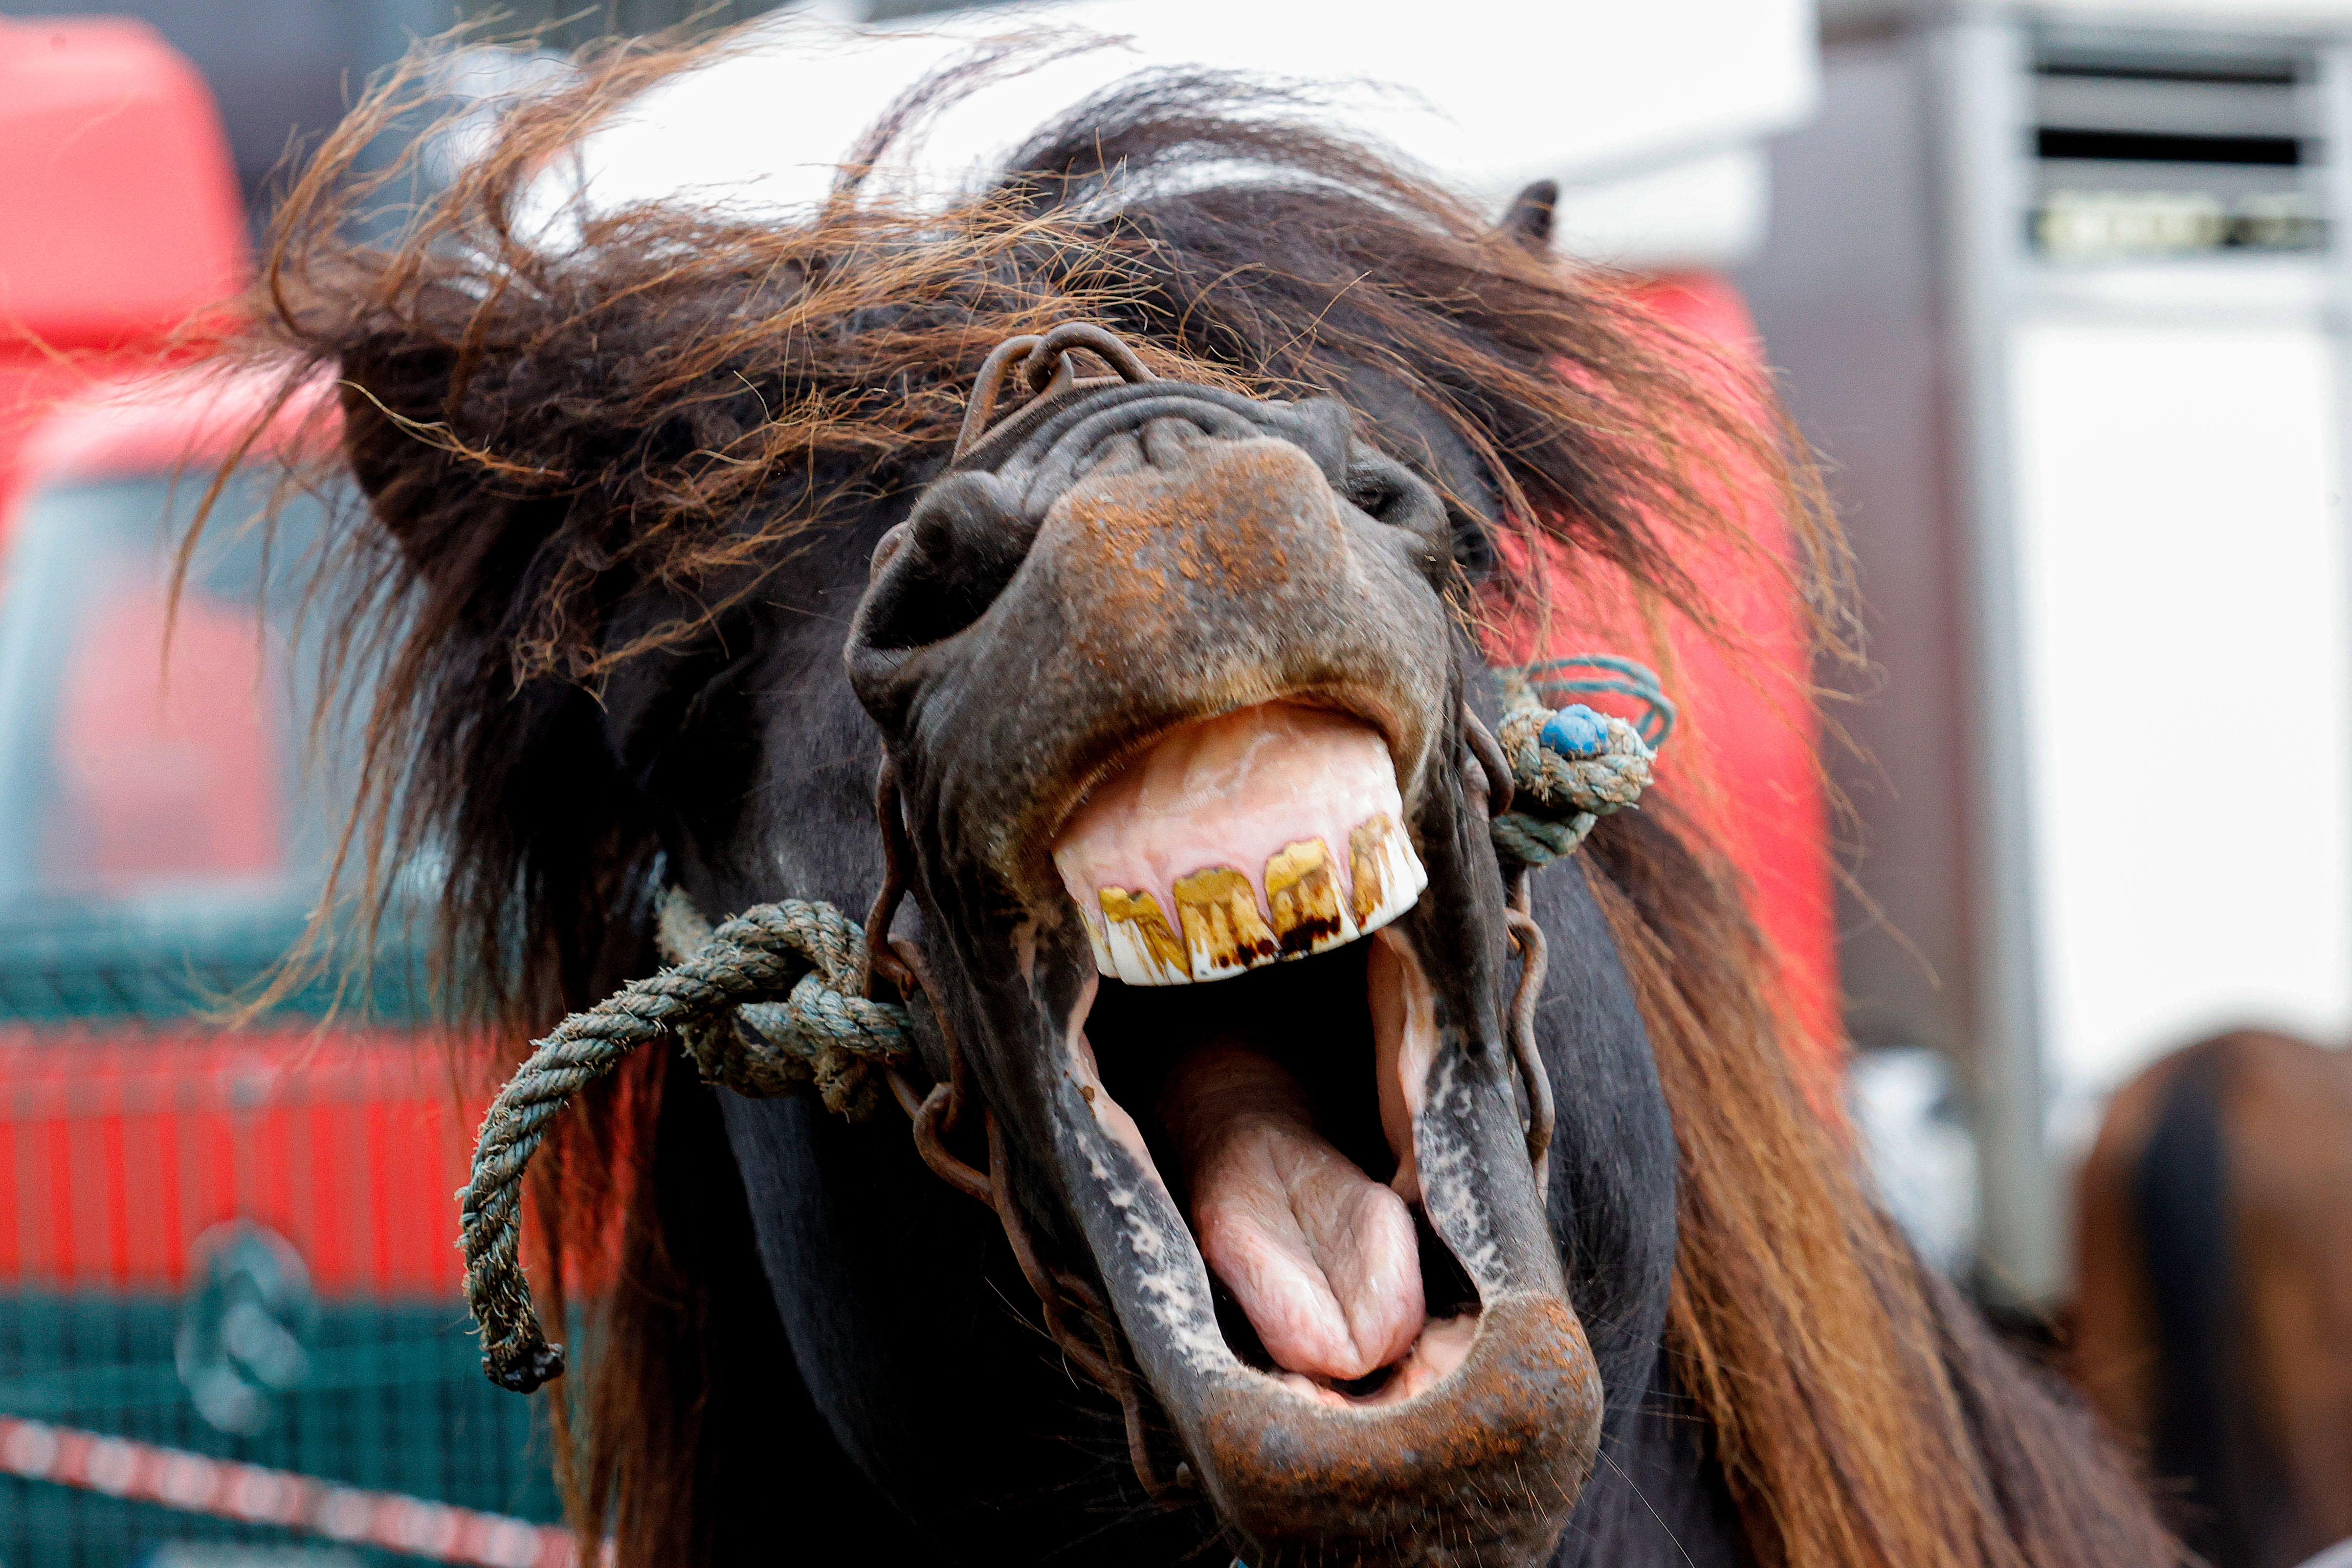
[890,544]
[1377,497]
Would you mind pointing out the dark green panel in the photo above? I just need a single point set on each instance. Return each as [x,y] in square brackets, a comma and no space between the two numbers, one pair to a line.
[396,1401]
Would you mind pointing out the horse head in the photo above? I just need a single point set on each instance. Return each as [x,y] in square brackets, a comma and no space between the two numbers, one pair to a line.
[1174,697]
[1125,535]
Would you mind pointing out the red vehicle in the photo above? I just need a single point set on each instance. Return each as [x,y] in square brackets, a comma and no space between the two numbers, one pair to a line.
[228,1289]
[125,223]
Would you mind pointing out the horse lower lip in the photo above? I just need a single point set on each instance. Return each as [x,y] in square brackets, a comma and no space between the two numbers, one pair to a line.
[1518,1420]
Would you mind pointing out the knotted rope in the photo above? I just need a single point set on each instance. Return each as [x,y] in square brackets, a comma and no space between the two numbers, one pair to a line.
[1573,765]
[771,1001]
[774,1001]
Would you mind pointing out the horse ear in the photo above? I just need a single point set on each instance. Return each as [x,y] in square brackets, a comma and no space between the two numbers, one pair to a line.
[650,698]
[435,506]
[1528,218]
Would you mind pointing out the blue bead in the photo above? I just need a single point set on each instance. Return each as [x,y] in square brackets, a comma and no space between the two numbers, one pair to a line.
[1576,731]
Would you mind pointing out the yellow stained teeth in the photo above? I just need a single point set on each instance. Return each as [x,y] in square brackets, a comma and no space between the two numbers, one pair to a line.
[1385,877]
[1223,931]
[1140,932]
[1304,899]
[1216,923]
[1367,847]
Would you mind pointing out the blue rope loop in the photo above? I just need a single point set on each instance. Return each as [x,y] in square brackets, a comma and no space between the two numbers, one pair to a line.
[1572,765]
[1550,680]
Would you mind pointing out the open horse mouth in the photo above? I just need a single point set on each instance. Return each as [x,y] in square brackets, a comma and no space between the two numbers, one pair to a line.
[1282,1107]
[1297,1166]
[1174,700]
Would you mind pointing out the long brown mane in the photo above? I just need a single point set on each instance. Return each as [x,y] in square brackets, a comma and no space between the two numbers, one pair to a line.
[581,459]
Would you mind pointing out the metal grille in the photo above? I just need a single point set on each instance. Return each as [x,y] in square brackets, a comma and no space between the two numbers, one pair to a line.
[227,1259]
[130,1153]
[397,1404]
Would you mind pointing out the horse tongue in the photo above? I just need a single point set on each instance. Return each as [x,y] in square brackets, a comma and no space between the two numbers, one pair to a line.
[1323,1258]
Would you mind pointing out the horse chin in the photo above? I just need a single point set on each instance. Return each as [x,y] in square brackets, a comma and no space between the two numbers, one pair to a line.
[1303,1179]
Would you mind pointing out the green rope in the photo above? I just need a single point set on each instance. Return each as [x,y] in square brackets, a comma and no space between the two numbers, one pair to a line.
[808,957]
[1529,840]
[774,1001]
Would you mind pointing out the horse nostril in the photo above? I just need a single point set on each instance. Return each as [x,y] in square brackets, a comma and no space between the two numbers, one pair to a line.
[940,570]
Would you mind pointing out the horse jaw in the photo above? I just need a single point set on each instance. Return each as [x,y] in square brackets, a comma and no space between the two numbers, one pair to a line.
[1470,1436]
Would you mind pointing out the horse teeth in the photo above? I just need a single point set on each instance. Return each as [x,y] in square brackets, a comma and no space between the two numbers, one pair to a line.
[1223,931]
[1302,897]
[1138,945]
[1264,833]
[1222,927]
[1385,876]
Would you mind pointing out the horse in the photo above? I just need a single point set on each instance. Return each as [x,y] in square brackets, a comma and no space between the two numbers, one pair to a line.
[2212,1324]
[701,572]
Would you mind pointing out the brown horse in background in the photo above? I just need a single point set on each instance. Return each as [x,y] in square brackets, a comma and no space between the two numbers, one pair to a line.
[2214,1323]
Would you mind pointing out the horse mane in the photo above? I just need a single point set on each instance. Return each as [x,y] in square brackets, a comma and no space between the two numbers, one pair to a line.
[1863,1412]
[586,456]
